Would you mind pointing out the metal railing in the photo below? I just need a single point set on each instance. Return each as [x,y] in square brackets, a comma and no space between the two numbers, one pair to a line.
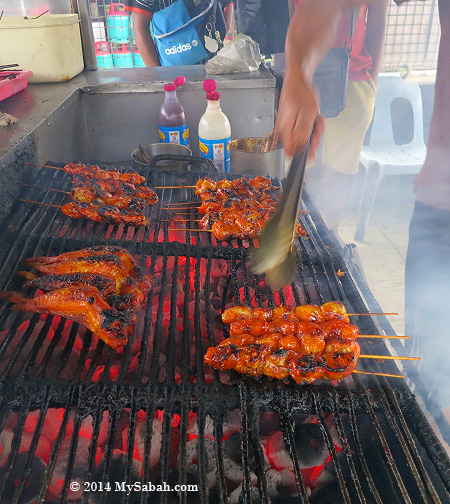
[412,37]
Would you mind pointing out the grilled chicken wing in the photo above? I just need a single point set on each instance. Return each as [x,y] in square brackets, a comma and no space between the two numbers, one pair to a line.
[53,282]
[86,306]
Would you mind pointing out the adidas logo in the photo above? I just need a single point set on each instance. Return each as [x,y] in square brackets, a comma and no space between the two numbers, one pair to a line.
[178,49]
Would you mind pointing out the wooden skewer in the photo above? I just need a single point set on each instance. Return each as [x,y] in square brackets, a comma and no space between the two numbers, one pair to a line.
[179,220]
[157,187]
[46,188]
[388,357]
[369,314]
[184,203]
[40,203]
[389,375]
[177,187]
[45,166]
[192,230]
[180,208]
[380,336]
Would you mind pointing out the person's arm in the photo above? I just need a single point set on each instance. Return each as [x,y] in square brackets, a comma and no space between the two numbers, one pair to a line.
[228,14]
[375,31]
[311,33]
[143,39]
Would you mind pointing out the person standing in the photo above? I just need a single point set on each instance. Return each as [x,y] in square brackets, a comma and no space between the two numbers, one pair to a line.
[427,282]
[142,12]
[344,134]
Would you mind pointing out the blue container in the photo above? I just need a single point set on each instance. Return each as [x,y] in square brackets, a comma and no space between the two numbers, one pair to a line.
[137,60]
[123,60]
[104,61]
[117,22]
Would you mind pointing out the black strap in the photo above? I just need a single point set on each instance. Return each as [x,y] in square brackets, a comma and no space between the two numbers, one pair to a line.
[353,22]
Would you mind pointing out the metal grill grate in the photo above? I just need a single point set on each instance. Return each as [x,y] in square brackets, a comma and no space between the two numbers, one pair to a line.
[75,410]
[227,447]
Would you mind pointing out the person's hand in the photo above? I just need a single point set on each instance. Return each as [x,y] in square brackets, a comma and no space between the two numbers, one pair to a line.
[298,114]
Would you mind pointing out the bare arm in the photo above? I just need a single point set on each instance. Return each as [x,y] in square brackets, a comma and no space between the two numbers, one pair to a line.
[375,31]
[143,38]
[311,32]
[228,14]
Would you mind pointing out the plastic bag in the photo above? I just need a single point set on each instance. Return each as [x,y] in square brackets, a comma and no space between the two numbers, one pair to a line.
[240,55]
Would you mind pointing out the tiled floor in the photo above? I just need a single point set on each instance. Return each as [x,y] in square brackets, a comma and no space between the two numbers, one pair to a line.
[383,251]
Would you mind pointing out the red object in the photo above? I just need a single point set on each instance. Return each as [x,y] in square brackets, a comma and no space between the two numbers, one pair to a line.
[9,87]
[360,60]
[173,86]
[210,86]
[102,48]
[116,9]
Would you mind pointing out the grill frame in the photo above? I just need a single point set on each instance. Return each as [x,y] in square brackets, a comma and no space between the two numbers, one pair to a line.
[32,228]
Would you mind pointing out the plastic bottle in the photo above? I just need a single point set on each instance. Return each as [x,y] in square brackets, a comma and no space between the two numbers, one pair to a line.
[214,130]
[173,127]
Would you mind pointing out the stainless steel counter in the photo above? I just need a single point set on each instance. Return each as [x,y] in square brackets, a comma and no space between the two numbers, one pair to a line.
[102,116]
[135,96]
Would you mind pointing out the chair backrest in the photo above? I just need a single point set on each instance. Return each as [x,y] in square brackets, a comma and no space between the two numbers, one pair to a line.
[390,87]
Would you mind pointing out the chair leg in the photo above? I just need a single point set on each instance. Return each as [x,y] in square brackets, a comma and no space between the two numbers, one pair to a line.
[367,198]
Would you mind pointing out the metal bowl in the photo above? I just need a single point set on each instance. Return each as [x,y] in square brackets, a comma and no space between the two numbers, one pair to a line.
[246,158]
[162,148]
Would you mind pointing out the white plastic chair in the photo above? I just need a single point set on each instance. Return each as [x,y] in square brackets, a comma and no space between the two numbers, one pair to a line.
[383,156]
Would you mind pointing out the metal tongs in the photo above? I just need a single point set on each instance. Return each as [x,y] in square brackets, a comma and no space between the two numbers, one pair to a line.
[276,256]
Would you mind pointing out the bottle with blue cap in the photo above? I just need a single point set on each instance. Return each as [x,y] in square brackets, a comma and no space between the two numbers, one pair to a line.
[173,127]
[214,130]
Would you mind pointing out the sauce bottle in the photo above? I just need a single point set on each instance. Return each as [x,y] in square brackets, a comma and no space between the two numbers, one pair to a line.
[173,127]
[214,130]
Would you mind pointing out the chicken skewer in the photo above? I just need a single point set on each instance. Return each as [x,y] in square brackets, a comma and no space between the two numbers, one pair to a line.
[307,342]
[89,194]
[126,177]
[96,171]
[99,213]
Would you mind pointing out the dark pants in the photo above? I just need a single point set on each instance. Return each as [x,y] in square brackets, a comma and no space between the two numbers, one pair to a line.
[427,297]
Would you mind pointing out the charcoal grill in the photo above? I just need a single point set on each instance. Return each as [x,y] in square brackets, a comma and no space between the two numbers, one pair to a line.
[75,410]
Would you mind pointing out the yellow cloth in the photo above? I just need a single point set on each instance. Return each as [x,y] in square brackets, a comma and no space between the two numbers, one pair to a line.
[344,135]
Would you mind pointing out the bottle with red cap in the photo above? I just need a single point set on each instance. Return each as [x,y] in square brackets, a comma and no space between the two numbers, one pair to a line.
[214,130]
[173,127]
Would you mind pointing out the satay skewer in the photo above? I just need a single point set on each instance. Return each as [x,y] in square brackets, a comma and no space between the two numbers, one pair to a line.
[184,203]
[381,336]
[62,169]
[191,230]
[180,208]
[179,220]
[371,373]
[177,187]
[46,188]
[388,357]
[40,203]
[370,314]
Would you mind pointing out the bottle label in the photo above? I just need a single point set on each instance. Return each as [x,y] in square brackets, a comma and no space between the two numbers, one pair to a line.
[218,151]
[174,134]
